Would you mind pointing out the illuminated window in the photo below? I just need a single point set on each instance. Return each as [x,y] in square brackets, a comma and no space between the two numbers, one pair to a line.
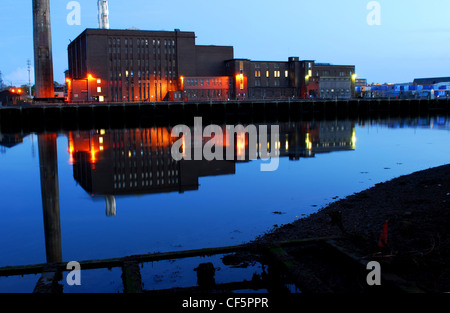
[99,81]
[286,73]
[267,73]
[276,73]
[99,89]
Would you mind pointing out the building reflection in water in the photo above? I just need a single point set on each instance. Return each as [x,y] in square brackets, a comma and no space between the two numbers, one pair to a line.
[110,163]
[9,140]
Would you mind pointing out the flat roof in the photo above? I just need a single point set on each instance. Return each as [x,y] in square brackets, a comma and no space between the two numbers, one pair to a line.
[431,80]
[136,32]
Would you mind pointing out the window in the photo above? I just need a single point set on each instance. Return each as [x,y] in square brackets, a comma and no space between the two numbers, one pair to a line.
[267,73]
[257,73]
[276,73]
[286,73]
[99,89]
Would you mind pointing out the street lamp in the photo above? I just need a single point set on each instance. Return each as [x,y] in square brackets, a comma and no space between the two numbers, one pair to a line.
[87,82]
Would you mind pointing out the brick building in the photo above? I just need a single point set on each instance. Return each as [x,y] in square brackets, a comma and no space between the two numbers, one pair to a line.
[151,66]
[134,65]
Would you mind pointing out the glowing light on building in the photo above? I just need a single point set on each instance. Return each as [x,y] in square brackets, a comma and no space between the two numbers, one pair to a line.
[93,156]
[183,146]
[308,142]
[240,145]
[353,142]
[240,81]
[71,150]
[182,82]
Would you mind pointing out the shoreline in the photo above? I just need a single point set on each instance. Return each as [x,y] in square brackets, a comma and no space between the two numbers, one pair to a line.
[416,208]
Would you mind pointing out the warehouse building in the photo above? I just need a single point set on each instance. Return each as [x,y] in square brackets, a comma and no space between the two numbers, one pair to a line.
[151,66]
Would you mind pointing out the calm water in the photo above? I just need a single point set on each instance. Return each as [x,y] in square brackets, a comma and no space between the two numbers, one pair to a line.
[121,193]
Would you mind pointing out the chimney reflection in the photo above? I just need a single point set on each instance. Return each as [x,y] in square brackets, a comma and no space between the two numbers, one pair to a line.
[48,162]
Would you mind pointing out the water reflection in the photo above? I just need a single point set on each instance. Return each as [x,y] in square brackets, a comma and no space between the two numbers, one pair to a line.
[110,163]
[9,140]
[48,164]
[123,163]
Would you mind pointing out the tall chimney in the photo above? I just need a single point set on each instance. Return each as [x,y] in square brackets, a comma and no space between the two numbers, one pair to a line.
[43,60]
[103,14]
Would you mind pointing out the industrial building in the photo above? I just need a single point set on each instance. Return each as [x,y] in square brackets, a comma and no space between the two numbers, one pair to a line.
[420,88]
[108,65]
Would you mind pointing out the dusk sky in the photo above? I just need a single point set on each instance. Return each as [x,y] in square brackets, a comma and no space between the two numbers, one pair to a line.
[412,40]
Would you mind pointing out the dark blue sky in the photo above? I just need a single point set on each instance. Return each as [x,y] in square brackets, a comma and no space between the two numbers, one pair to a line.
[413,39]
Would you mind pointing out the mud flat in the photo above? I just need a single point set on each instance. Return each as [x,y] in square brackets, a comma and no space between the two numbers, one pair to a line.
[417,210]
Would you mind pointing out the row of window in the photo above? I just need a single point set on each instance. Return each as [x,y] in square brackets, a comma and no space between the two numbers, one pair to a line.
[334,73]
[140,50]
[276,73]
[205,93]
[204,82]
[276,83]
[335,90]
[129,42]
[146,175]
[146,183]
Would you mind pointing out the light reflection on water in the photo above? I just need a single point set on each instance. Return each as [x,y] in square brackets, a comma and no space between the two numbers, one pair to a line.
[114,200]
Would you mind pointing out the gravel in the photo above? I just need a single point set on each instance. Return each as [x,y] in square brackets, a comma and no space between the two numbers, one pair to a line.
[417,210]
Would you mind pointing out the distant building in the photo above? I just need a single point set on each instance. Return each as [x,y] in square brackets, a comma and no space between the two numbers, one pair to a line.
[151,66]
[404,91]
[431,81]
[294,79]
[335,81]
[60,90]
[360,82]
[11,96]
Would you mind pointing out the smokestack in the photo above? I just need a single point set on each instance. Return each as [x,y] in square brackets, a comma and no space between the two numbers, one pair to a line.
[103,14]
[43,59]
